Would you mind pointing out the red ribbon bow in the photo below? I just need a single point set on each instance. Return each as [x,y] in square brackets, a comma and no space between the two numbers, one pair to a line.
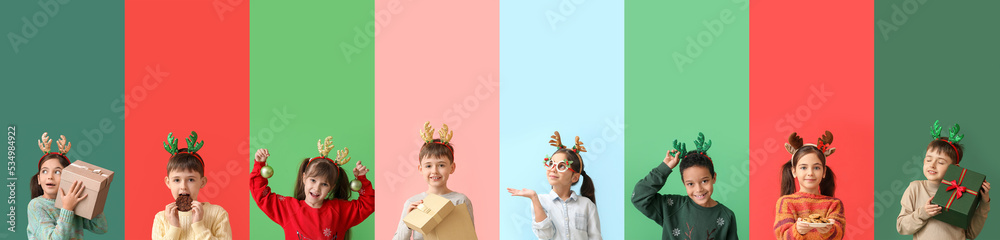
[957,185]
[960,188]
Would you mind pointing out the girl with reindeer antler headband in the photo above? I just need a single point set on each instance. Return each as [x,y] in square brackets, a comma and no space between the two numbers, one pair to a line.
[811,212]
[695,215]
[321,208]
[564,170]
[435,163]
[916,212]
[45,219]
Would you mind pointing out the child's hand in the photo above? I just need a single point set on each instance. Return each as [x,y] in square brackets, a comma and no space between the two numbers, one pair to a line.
[414,205]
[196,212]
[931,208]
[528,193]
[802,227]
[261,155]
[672,158]
[827,228]
[171,212]
[74,197]
[360,170]
[986,191]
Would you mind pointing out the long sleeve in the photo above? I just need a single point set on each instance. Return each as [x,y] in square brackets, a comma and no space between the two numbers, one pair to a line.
[162,230]
[784,221]
[97,225]
[42,226]
[402,231]
[912,216]
[358,210]
[594,224]
[219,229]
[645,196]
[731,231]
[835,212]
[978,220]
[468,204]
[214,225]
[544,229]
[267,201]
[790,207]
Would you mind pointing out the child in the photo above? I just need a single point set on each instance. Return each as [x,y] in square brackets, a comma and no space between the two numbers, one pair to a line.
[814,200]
[190,219]
[917,209]
[437,162]
[561,202]
[47,221]
[695,216]
[320,209]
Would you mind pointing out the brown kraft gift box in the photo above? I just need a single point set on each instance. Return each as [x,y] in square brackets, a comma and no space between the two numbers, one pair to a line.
[96,181]
[429,214]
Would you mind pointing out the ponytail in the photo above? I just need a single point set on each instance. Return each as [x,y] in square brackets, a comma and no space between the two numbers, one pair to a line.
[787,180]
[36,190]
[341,190]
[828,185]
[587,189]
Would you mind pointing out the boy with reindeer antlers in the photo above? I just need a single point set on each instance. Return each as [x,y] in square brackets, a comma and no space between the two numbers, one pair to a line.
[694,215]
[916,211]
[436,162]
[186,217]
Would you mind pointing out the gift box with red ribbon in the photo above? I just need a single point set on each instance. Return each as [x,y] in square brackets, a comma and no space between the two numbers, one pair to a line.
[958,195]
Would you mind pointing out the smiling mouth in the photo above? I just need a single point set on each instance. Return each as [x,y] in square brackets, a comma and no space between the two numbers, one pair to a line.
[311,194]
[697,196]
[437,178]
[932,172]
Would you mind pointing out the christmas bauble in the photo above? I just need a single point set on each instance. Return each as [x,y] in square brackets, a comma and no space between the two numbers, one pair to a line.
[266,171]
[355,185]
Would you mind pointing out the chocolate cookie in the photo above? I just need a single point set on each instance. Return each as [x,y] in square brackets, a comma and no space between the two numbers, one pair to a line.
[184,203]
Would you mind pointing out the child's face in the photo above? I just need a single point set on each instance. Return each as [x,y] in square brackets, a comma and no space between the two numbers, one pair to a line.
[557,178]
[698,182]
[436,170]
[186,182]
[316,188]
[935,164]
[49,176]
[809,171]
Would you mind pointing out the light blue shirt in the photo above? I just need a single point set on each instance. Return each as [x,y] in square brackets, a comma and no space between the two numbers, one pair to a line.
[574,218]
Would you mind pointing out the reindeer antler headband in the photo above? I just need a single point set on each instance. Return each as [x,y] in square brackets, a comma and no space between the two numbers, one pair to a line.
[795,143]
[577,146]
[953,137]
[192,142]
[325,146]
[701,145]
[45,144]
[428,135]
